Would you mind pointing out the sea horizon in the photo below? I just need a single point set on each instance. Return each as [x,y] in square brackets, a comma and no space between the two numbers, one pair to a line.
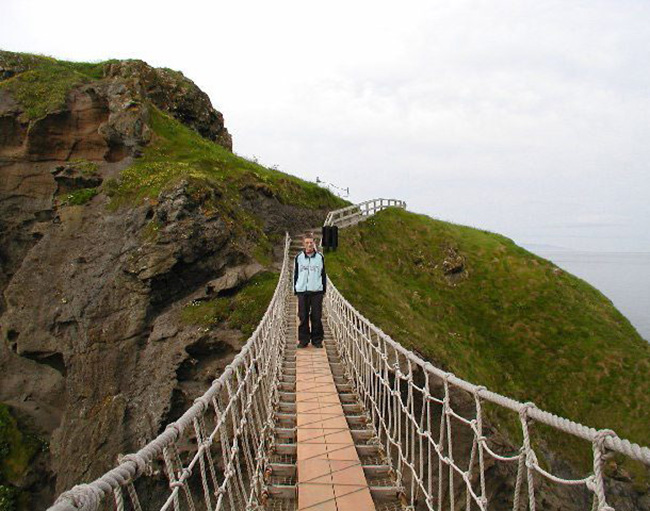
[622,276]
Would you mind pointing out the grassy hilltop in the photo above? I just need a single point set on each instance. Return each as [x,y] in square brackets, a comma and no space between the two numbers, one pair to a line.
[42,86]
[43,83]
[491,312]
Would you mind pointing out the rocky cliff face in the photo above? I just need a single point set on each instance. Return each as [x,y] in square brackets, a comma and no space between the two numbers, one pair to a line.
[105,121]
[95,357]
[171,92]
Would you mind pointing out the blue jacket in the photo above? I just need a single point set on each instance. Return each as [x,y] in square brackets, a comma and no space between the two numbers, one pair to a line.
[309,273]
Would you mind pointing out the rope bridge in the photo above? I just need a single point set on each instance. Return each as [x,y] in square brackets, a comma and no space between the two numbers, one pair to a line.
[217,455]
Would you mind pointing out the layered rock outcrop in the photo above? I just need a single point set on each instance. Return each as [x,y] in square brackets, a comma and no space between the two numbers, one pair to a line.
[94,357]
[173,93]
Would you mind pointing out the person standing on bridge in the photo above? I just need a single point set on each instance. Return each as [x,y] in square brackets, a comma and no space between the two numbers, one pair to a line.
[310,284]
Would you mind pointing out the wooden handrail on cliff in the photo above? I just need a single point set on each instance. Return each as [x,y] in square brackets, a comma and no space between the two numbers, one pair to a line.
[352,215]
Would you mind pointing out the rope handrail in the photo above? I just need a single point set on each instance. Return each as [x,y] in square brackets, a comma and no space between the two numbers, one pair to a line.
[403,412]
[612,442]
[242,401]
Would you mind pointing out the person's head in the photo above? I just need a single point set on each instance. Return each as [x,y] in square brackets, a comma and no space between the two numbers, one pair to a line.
[308,243]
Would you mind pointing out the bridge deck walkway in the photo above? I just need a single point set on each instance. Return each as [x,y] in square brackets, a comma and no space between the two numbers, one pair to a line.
[330,475]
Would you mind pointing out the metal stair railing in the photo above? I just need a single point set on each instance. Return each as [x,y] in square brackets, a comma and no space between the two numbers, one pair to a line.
[224,438]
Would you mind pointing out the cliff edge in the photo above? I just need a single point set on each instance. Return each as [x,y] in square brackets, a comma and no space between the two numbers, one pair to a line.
[137,252]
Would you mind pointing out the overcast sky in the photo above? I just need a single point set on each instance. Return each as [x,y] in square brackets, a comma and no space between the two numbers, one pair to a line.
[528,118]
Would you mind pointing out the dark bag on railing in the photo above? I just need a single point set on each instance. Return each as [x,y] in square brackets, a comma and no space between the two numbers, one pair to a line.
[330,237]
[327,236]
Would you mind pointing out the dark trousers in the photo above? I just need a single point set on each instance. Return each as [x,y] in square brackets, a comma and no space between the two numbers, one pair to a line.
[310,309]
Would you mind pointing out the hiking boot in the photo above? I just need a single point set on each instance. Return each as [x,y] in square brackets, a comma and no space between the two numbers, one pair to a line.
[301,345]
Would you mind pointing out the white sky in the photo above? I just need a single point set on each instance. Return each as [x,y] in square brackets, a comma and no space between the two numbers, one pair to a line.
[528,118]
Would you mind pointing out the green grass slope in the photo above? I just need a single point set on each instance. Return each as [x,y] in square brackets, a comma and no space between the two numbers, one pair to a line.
[177,152]
[243,311]
[511,321]
[217,179]
[45,82]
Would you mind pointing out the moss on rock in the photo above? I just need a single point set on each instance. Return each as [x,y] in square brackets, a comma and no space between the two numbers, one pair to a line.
[242,311]
[17,450]
[41,84]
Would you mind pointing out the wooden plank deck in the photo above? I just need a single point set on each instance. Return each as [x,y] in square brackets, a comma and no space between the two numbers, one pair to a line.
[330,475]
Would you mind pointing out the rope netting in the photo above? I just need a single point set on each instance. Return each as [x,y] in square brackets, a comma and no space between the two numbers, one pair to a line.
[214,455]
[409,403]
